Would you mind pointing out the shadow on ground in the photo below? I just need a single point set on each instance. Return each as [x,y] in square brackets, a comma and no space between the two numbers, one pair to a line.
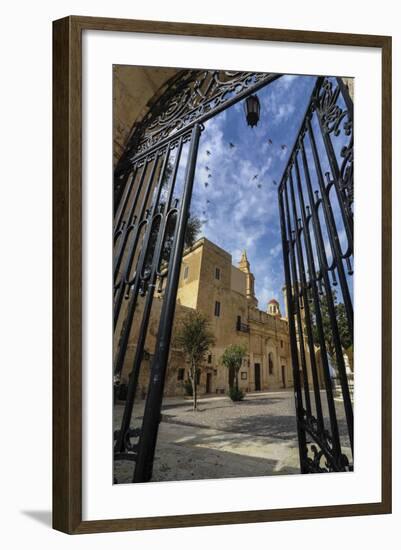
[40,516]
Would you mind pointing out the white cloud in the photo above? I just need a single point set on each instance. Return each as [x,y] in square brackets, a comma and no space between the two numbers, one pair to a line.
[237,213]
[284,111]
[276,250]
[286,80]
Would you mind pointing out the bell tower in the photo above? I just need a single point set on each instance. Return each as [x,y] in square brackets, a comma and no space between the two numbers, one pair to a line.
[273,308]
[244,266]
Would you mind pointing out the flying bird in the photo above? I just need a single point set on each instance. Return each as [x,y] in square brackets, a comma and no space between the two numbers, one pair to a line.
[274,181]
[207,201]
[269,141]
[209,175]
[259,186]
[255,177]
[231,145]
[284,147]
[208,152]
[207,168]
[206,184]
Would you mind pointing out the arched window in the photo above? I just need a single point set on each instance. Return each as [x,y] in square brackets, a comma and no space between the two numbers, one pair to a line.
[271,364]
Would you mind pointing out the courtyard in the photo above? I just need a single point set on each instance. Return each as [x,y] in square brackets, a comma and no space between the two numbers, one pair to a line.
[224,439]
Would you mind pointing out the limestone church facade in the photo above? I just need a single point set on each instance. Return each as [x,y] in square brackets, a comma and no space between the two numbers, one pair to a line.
[225,293]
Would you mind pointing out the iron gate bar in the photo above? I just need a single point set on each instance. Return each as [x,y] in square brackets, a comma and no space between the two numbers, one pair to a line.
[118,217]
[331,228]
[309,284]
[129,225]
[134,219]
[330,397]
[302,448]
[148,224]
[335,172]
[319,321]
[151,417]
[297,290]
[150,282]
[304,287]
[347,98]
[333,236]
[138,221]
[136,224]
[328,103]
[291,240]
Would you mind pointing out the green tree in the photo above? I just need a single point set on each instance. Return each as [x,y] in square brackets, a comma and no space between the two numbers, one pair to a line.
[191,234]
[195,339]
[194,226]
[192,230]
[343,328]
[346,337]
[232,359]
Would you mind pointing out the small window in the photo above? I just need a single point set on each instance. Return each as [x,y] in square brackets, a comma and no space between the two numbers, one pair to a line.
[217,309]
[244,375]
[180,374]
[186,271]
[198,377]
[281,343]
[217,273]
[209,358]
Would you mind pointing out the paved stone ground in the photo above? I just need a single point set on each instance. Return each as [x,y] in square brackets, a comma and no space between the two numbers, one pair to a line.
[222,439]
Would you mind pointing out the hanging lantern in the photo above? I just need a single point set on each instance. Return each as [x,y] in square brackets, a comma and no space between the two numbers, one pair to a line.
[252,110]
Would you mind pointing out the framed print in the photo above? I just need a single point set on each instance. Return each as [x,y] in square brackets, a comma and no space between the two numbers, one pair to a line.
[221,216]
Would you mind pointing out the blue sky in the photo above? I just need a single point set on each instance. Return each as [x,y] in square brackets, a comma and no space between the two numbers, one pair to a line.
[242,212]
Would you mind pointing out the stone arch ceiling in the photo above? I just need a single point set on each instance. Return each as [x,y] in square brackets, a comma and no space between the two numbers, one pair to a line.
[134,88]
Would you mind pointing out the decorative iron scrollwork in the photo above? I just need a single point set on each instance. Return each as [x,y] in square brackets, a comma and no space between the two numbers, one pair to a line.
[191,96]
[321,456]
[130,448]
[315,263]
[347,174]
[332,115]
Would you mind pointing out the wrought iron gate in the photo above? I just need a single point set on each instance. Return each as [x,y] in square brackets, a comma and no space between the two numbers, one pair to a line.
[152,194]
[152,199]
[316,213]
